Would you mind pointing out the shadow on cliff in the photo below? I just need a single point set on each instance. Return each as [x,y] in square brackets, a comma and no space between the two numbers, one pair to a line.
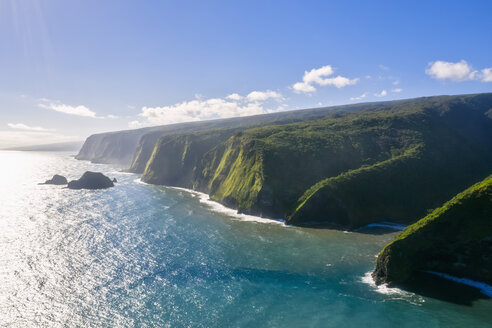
[433,286]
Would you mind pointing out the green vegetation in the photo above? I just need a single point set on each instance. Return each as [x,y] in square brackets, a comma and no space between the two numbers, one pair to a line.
[392,162]
[174,157]
[147,138]
[455,239]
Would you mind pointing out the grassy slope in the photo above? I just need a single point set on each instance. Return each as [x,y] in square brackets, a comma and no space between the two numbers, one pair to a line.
[455,239]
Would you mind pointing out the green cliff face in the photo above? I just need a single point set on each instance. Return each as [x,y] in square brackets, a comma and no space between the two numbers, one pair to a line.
[455,239]
[392,162]
[232,173]
[280,163]
[174,158]
[147,138]
[134,147]
[144,151]
[450,147]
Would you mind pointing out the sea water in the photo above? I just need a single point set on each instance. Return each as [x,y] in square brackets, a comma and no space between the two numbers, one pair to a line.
[146,256]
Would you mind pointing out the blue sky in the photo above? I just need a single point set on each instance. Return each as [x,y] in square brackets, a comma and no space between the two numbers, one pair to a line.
[72,68]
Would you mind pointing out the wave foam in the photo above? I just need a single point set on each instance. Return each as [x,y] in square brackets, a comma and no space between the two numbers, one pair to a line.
[394,292]
[383,288]
[217,207]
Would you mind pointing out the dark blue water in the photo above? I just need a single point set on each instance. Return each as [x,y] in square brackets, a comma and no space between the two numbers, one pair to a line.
[146,256]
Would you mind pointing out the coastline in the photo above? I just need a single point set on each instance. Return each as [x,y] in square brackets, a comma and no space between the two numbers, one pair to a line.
[367,278]
[219,208]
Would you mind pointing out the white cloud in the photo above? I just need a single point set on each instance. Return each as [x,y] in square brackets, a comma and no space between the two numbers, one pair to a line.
[302,87]
[67,109]
[486,75]
[73,110]
[381,94]
[137,124]
[396,82]
[263,95]
[22,126]
[339,81]
[316,74]
[234,96]
[320,77]
[382,67]
[460,71]
[362,96]
[397,90]
[204,109]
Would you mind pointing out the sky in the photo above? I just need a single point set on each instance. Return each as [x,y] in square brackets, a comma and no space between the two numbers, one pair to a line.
[69,69]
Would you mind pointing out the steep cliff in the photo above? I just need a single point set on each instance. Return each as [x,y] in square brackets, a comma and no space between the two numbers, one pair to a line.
[174,157]
[149,140]
[112,147]
[455,239]
[133,148]
[401,188]
[452,151]
[348,169]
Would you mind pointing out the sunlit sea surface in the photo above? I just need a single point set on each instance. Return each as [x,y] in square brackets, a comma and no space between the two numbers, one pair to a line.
[146,256]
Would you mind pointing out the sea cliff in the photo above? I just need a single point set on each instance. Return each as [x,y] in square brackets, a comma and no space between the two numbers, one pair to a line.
[454,239]
[346,166]
[350,169]
[133,148]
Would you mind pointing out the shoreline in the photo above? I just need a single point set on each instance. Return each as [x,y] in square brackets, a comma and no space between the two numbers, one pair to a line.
[219,208]
[366,279]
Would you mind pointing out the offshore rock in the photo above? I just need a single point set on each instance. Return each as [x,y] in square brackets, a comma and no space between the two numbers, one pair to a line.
[91,180]
[57,180]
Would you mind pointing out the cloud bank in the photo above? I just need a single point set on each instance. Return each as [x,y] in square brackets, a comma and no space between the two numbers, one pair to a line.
[213,108]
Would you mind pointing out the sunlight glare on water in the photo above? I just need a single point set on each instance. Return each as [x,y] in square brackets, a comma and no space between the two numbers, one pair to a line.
[144,256]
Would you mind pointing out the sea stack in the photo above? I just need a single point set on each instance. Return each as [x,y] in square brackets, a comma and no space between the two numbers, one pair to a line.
[57,180]
[91,180]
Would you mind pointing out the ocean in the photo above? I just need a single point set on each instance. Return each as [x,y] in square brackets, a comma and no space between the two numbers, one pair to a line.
[138,255]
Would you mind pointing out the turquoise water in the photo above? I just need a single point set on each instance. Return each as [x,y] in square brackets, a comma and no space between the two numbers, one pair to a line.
[146,256]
